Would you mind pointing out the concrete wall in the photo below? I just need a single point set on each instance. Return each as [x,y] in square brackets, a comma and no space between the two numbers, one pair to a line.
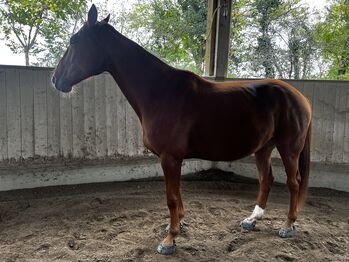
[38,123]
[330,131]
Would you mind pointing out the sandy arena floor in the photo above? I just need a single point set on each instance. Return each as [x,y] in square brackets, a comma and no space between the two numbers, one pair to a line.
[125,222]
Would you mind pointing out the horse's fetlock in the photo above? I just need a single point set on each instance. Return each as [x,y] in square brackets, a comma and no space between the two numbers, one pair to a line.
[291,218]
[174,231]
[181,215]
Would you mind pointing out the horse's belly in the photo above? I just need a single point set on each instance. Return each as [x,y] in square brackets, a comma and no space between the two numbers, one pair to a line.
[215,155]
[228,147]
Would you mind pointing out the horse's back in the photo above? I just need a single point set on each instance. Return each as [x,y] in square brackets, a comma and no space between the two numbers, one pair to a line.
[269,96]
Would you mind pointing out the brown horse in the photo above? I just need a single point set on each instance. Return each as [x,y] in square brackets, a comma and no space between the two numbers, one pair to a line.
[184,116]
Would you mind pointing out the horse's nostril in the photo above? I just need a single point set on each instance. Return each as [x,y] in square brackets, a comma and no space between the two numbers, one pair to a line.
[53,79]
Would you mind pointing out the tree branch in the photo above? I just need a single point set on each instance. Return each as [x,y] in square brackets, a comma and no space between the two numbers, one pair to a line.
[18,37]
[32,42]
[34,37]
[29,35]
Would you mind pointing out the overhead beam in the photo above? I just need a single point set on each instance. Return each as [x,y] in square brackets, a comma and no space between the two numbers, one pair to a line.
[218,34]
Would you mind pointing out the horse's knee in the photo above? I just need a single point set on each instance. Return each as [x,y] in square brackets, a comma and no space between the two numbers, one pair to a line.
[170,164]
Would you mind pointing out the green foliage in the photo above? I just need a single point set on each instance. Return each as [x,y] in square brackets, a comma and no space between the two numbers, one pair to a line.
[271,38]
[333,37]
[55,43]
[300,43]
[174,30]
[194,16]
[239,53]
[264,12]
[24,22]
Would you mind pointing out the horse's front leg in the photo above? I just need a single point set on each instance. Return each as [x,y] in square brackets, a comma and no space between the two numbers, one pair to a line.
[172,171]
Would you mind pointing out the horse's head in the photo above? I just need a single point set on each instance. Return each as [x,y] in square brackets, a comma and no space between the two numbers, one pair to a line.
[84,57]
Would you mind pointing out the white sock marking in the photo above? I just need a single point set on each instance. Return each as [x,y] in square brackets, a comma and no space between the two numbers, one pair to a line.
[257,213]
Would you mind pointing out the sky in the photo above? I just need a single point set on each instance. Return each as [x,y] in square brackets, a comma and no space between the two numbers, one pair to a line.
[9,58]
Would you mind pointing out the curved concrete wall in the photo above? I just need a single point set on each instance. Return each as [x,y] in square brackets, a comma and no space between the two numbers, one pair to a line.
[96,122]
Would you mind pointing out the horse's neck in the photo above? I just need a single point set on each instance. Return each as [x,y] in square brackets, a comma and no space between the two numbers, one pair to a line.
[139,74]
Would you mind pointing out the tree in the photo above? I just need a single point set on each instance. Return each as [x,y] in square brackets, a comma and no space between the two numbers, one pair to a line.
[265,12]
[56,43]
[271,38]
[174,30]
[239,53]
[194,16]
[25,23]
[333,37]
[301,45]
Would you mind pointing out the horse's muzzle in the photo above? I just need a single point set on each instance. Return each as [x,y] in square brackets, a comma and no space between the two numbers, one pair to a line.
[61,85]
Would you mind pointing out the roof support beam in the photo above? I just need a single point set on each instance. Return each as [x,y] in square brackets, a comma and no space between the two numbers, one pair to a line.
[218,34]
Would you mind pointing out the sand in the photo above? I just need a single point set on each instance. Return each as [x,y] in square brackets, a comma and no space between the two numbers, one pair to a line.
[126,221]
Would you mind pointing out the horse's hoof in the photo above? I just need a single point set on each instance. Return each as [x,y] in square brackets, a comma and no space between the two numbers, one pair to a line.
[182,227]
[166,250]
[287,232]
[248,225]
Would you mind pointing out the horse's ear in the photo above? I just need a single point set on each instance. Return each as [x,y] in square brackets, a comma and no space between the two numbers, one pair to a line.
[92,15]
[106,20]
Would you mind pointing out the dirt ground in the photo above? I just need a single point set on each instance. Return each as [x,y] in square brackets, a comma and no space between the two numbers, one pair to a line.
[126,221]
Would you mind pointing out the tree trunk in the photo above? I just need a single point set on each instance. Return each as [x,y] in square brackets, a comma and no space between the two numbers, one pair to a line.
[296,67]
[344,60]
[26,53]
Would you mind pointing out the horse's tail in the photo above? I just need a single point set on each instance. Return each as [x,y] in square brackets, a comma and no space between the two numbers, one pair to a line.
[303,168]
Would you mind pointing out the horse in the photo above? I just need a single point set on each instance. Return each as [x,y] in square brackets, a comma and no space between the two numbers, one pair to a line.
[185,116]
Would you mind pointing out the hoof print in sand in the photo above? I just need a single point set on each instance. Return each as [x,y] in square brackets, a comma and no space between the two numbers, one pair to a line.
[237,243]
[284,257]
[73,245]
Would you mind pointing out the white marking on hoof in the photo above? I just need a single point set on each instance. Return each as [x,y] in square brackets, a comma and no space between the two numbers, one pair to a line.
[257,213]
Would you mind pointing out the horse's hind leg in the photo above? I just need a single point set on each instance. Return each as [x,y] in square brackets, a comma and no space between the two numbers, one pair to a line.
[263,162]
[290,158]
